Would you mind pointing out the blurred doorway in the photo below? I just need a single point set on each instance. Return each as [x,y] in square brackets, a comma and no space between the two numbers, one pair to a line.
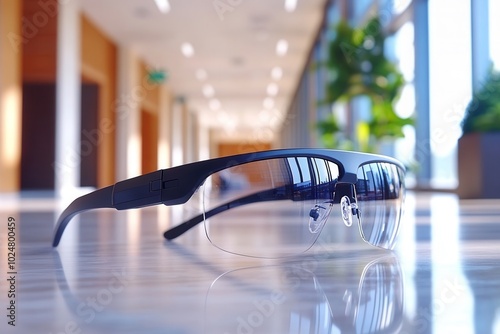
[38,136]
[90,136]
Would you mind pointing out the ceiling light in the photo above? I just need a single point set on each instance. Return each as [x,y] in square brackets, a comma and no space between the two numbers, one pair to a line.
[268,103]
[187,50]
[163,6]
[276,118]
[214,104]
[272,89]
[281,47]
[201,74]
[264,116]
[261,36]
[208,90]
[276,73]
[290,5]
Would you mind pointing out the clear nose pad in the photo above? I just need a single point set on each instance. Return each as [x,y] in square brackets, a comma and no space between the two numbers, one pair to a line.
[318,216]
[348,209]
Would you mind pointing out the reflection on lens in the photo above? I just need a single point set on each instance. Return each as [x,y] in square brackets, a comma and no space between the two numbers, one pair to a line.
[279,206]
[380,196]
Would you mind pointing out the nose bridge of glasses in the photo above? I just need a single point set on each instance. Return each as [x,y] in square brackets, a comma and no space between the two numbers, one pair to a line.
[345,194]
[343,188]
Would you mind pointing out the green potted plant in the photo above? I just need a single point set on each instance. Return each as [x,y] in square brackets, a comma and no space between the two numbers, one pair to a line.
[479,146]
[357,66]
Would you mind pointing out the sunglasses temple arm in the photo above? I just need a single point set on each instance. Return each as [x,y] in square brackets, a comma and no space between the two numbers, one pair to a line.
[133,193]
[101,198]
[262,196]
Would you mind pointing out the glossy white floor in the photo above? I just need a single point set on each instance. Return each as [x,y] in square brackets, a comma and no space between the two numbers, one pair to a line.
[114,273]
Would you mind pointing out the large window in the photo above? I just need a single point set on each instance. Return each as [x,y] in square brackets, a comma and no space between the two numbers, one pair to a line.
[404,53]
[448,87]
[450,83]
[494,9]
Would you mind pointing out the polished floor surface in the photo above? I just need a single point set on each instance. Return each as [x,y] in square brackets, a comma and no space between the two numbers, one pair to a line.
[114,273]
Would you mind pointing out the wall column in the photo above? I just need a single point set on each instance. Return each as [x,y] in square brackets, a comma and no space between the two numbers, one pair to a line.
[204,144]
[164,130]
[195,139]
[10,95]
[68,89]
[128,118]
[177,128]
[423,147]
[187,134]
[481,61]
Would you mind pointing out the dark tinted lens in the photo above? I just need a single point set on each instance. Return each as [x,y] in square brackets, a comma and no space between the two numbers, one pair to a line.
[380,195]
[271,206]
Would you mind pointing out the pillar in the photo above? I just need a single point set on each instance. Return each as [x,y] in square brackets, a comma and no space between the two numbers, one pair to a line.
[68,88]
[128,117]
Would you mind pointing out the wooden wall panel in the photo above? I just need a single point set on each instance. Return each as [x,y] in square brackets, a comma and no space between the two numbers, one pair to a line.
[150,107]
[151,101]
[149,124]
[233,148]
[39,33]
[10,96]
[38,41]
[99,63]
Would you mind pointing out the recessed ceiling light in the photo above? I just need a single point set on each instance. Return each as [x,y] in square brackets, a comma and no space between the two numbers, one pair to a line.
[208,90]
[261,36]
[264,115]
[141,12]
[281,47]
[214,104]
[201,74]
[276,73]
[268,103]
[290,5]
[163,6]
[237,61]
[187,50]
[272,89]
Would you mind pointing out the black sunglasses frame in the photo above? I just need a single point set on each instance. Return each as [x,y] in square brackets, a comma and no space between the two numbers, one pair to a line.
[176,185]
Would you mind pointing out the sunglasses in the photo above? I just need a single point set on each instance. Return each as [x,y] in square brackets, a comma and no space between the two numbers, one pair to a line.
[276,199]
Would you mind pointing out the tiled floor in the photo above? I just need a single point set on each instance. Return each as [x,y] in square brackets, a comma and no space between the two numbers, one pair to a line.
[114,273]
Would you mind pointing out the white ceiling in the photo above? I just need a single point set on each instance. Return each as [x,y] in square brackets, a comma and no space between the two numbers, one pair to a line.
[237,50]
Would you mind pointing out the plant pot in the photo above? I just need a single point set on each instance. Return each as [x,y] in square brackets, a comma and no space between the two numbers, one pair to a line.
[479,165]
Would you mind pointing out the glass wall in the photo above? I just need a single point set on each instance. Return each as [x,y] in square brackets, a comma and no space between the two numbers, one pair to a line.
[494,9]
[402,45]
[423,34]
[450,83]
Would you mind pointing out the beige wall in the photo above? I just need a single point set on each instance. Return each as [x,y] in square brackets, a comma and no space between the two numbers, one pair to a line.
[10,95]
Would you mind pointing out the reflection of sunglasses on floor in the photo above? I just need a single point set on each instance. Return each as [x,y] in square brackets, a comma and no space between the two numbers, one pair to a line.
[285,196]
[289,299]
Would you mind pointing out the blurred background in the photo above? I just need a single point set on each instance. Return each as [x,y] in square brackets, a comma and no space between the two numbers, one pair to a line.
[92,92]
